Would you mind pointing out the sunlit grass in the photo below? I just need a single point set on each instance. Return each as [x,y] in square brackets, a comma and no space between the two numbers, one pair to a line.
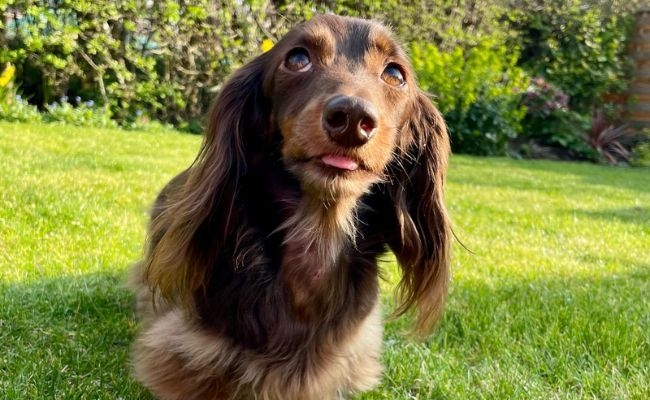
[550,301]
[73,214]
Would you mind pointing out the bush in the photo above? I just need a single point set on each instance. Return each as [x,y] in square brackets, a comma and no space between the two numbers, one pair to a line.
[84,114]
[551,124]
[578,45]
[476,89]
[13,107]
[17,109]
[164,57]
[641,153]
[614,141]
[169,58]
[142,61]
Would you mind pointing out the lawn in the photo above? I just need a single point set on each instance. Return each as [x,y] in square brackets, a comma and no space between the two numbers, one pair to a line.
[550,296]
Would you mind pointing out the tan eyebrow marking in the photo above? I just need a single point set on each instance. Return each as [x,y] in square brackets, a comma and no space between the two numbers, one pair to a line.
[320,39]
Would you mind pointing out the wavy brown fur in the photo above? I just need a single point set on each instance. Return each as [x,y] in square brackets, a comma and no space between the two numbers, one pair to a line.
[259,279]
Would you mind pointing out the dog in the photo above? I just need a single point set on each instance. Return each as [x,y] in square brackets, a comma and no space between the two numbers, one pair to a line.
[260,274]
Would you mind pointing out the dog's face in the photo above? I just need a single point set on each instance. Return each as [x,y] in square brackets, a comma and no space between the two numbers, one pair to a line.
[341,90]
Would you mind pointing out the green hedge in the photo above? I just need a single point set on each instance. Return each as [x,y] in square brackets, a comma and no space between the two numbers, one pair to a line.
[477,89]
[164,60]
[130,56]
[167,58]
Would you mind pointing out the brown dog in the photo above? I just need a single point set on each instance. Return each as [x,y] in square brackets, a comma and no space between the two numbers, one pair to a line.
[260,279]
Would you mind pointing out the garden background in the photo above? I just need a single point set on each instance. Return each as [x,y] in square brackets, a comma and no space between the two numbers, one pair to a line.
[528,78]
[549,297]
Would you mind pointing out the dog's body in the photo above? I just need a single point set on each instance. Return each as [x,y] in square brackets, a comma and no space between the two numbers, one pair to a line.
[260,279]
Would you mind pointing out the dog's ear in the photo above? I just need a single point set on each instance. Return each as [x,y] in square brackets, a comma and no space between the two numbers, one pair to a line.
[421,241]
[197,211]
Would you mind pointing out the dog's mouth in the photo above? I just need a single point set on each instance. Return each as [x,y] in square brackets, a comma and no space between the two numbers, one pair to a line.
[333,165]
[342,163]
[332,175]
[343,166]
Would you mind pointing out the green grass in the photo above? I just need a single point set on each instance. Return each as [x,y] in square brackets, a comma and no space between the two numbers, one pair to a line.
[552,302]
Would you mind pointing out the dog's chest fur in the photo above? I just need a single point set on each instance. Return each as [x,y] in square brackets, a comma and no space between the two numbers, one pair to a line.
[296,270]
[295,317]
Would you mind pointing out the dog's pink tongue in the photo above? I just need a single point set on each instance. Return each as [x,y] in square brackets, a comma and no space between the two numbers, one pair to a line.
[340,162]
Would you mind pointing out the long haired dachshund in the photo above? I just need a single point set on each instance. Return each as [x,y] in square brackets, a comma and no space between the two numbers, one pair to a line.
[260,278]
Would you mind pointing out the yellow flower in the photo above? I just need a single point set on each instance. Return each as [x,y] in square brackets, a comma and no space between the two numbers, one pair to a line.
[267,44]
[7,75]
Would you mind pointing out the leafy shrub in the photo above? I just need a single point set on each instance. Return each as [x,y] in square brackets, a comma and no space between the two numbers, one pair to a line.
[163,60]
[162,56]
[613,141]
[550,122]
[84,114]
[13,107]
[578,45]
[616,142]
[641,153]
[17,109]
[169,58]
[476,89]
[580,48]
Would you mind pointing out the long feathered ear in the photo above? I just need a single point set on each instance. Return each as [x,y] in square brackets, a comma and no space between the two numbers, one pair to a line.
[421,242]
[198,209]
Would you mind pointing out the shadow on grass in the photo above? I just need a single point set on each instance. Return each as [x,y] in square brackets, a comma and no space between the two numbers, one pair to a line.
[633,215]
[67,338]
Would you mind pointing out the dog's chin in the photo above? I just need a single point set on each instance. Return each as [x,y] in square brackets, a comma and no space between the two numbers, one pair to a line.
[333,180]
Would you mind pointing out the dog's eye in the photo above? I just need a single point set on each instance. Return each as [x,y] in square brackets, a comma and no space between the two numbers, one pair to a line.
[393,75]
[298,60]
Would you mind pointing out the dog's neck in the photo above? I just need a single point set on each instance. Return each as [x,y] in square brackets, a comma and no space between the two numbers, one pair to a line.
[317,237]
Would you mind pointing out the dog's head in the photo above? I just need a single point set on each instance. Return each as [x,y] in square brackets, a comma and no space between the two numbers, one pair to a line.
[336,101]
[341,91]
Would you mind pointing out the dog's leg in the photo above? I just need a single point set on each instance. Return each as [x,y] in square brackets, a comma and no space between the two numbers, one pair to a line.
[177,362]
[365,368]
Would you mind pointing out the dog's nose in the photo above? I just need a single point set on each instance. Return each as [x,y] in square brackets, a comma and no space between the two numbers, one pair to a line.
[350,121]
